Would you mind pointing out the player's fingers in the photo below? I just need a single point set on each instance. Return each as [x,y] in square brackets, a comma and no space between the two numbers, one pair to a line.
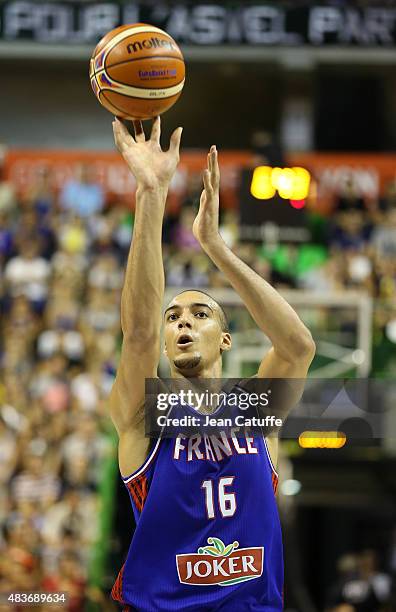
[207,182]
[175,139]
[139,131]
[214,167]
[156,130]
[117,136]
[212,160]
[122,136]
[210,163]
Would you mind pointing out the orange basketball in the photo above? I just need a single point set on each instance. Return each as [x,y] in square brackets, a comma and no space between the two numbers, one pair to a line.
[137,71]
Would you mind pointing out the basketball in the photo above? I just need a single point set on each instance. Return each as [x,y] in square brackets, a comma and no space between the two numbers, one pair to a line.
[137,71]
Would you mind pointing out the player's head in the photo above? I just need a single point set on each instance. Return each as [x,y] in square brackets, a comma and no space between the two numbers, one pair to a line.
[196,333]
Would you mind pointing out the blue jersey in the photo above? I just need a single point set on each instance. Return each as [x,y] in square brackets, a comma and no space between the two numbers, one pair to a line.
[208,535]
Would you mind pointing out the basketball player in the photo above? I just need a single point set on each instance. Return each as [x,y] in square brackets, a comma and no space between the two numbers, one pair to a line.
[208,535]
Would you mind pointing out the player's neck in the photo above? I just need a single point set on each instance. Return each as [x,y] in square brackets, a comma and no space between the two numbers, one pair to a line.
[205,384]
[212,371]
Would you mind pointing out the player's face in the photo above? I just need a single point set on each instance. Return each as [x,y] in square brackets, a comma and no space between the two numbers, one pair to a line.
[193,333]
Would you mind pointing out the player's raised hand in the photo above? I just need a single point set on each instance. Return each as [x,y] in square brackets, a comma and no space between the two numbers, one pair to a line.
[151,166]
[206,224]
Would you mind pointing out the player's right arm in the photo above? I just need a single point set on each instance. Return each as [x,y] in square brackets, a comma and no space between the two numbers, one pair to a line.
[143,290]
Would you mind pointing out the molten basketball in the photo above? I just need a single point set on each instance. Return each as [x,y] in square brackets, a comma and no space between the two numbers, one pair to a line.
[137,71]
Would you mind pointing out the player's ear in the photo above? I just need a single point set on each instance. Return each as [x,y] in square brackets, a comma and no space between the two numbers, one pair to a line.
[225,342]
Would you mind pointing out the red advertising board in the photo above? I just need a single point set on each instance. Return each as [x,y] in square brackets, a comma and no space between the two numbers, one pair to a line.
[330,172]
[23,165]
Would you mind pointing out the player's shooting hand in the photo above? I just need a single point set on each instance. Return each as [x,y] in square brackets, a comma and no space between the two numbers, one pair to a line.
[151,166]
[206,224]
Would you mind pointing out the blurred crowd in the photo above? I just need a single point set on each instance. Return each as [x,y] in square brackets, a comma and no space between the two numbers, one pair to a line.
[60,282]
[361,585]
[62,260]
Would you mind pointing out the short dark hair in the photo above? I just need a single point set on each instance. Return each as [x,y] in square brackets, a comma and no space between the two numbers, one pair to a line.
[223,317]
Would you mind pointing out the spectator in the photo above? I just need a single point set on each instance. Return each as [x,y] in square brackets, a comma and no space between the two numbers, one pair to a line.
[84,389]
[33,226]
[388,201]
[35,483]
[69,578]
[105,273]
[101,312]
[61,340]
[349,198]
[28,274]
[383,239]
[42,193]
[73,236]
[6,238]
[21,320]
[8,452]
[8,462]
[188,271]
[85,442]
[350,231]
[76,514]
[361,585]
[82,195]
[183,236]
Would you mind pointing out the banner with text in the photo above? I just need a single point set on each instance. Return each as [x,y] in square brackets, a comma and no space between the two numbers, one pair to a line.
[330,173]
[202,24]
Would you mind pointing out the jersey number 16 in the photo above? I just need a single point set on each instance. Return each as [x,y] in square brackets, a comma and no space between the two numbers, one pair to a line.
[226,501]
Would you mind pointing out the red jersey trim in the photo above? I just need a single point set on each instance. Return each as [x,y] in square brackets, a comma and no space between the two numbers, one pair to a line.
[116,591]
[274,483]
[138,489]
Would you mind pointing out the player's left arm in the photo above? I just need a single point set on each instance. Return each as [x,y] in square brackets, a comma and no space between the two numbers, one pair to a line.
[293,348]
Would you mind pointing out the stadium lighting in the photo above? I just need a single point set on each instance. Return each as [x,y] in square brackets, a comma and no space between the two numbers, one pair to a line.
[322,439]
[283,180]
[291,184]
[261,187]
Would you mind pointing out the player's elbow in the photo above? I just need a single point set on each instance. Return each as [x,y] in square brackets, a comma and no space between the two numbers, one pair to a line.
[303,345]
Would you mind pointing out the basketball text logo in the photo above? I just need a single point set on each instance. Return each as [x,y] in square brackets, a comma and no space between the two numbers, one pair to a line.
[150,43]
[220,564]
